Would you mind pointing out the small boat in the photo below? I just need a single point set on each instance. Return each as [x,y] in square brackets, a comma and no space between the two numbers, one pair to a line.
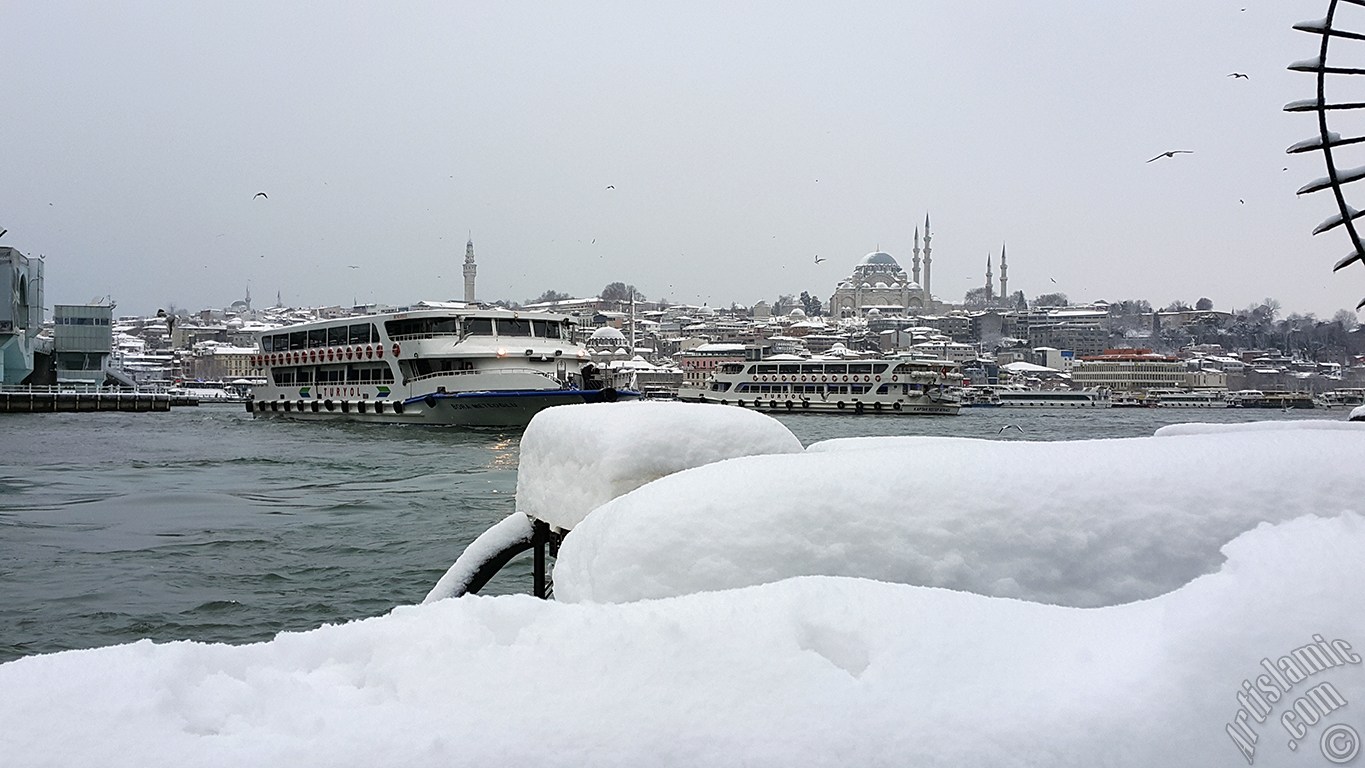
[790,384]
[435,363]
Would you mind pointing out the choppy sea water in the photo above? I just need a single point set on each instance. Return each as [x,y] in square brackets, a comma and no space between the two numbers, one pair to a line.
[205,524]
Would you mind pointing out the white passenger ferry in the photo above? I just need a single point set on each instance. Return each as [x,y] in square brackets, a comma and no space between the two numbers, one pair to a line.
[1052,398]
[793,384]
[435,363]
[1179,398]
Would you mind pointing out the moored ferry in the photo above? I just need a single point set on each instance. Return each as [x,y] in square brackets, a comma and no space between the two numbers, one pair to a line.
[835,385]
[1179,398]
[435,363]
[1052,398]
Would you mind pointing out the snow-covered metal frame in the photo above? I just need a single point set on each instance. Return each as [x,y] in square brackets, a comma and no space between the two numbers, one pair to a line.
[1327,141]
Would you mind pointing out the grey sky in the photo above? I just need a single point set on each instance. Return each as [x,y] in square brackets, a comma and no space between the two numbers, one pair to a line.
[742,140]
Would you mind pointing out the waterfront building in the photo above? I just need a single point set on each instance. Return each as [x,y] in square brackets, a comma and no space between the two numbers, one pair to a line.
[1142,369]
[698,363]
[221,362]
[82,340]
[21,313]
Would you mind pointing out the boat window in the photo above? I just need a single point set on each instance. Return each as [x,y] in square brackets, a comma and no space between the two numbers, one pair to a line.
[284,376]
[374,333]
[789,369]
[879,368]
[836,368]
[478,326]
[860,368]
[816,369]
[336,336]
[305,375]
[360,334]
[545,329]
[317,337]
[267,343]
[731,368]
[509,326]
[297,339]
[765,369]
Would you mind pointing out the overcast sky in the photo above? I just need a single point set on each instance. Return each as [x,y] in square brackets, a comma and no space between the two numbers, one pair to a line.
[742,140]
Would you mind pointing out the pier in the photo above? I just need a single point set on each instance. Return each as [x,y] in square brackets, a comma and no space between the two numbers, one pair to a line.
[80,400]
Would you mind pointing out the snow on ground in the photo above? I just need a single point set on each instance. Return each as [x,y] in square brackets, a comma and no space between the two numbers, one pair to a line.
[577,457]
[752,662]
[815,671]
[1196,428]
[1083,523]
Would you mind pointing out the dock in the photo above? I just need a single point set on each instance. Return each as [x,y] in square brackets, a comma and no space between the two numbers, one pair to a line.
[75,400]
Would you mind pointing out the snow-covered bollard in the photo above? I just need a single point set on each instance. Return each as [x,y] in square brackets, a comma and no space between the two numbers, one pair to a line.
[574,458]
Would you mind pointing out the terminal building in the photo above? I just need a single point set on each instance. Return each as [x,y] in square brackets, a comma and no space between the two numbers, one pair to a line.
[21,314]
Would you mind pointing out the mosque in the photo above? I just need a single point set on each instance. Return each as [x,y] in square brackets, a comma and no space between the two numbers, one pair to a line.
[878,282]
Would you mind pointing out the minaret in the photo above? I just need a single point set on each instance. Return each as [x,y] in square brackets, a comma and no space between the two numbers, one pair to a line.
[1004,275]
[990,288]
[928,266]
[470,269]
[248,297]
[916,275]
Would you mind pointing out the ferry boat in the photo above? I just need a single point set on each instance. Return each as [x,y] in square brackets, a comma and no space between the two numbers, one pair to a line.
[1255,398]
[1177,398]
[435,363]
[909,386]
[1052,398]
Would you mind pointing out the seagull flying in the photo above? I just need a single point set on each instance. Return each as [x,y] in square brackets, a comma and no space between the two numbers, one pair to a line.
[818,259]
[260,194]
[2,232]
[611,186]
[1239,75]
[1009,426]
[1173,153]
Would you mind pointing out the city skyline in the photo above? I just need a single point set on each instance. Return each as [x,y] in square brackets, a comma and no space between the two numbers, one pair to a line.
[705,154]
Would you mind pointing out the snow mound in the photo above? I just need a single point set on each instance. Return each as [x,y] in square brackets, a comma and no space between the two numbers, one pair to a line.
[1198,428]
[1082,523]
[803,672]
[1358,413]
[575,458]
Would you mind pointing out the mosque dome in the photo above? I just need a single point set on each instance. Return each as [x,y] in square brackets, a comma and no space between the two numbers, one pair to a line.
[797,314]
[607,334]
[879,258]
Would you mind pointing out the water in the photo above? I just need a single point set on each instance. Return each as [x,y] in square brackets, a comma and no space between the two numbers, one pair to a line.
[205,524]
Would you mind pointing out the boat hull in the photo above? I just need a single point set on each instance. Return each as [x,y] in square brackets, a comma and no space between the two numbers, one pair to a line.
[917,407]
[462,409]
